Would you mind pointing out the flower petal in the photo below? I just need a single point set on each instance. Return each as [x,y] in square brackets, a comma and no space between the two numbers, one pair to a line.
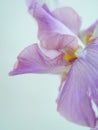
[51,30]
[32,60]
[90,33]
[95,128]
[69,17]
[46,21]
[95,34]
[33,2]
[81,88]
[74,102]
[58,42]
[92,59]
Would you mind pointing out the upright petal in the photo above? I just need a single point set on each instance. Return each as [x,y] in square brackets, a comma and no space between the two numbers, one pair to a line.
[46,21]
[30,3]
[81,87]
[90,33]
[32,60]
[51,31]
[69,17]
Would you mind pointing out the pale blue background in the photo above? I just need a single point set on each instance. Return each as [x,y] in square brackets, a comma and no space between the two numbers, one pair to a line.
[27,102]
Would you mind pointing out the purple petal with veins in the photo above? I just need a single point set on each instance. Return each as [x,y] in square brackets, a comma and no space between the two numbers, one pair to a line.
[32,60]
[69,18]
[74,101]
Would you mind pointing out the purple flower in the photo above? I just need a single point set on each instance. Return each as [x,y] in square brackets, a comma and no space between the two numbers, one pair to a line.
[69,52]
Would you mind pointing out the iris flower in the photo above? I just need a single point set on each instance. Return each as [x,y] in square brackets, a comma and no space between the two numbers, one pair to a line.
[66,51]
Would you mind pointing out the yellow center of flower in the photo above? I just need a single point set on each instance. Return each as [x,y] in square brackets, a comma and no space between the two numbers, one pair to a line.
[70,55]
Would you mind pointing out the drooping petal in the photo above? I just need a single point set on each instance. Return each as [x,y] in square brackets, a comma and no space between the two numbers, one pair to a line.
[94,128]
[81,87]
[90,33]
[74,102]
[32,60]
[92,59]
[69,17]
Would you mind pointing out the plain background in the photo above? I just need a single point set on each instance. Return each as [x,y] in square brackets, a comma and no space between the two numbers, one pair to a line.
[27,102]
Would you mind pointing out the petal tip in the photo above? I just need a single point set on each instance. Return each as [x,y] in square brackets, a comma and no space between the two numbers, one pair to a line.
[12,73]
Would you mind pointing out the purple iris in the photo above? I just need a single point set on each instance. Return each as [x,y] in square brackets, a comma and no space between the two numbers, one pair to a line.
[68,52]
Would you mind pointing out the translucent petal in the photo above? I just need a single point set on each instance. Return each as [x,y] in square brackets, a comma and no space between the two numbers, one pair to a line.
[69,18]
[32,60]
[74,101]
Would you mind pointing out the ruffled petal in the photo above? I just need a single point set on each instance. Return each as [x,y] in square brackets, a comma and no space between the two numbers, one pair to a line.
[90,33]
[69,18]
[55,41]
[80,89]
[32,60]
[51,31]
